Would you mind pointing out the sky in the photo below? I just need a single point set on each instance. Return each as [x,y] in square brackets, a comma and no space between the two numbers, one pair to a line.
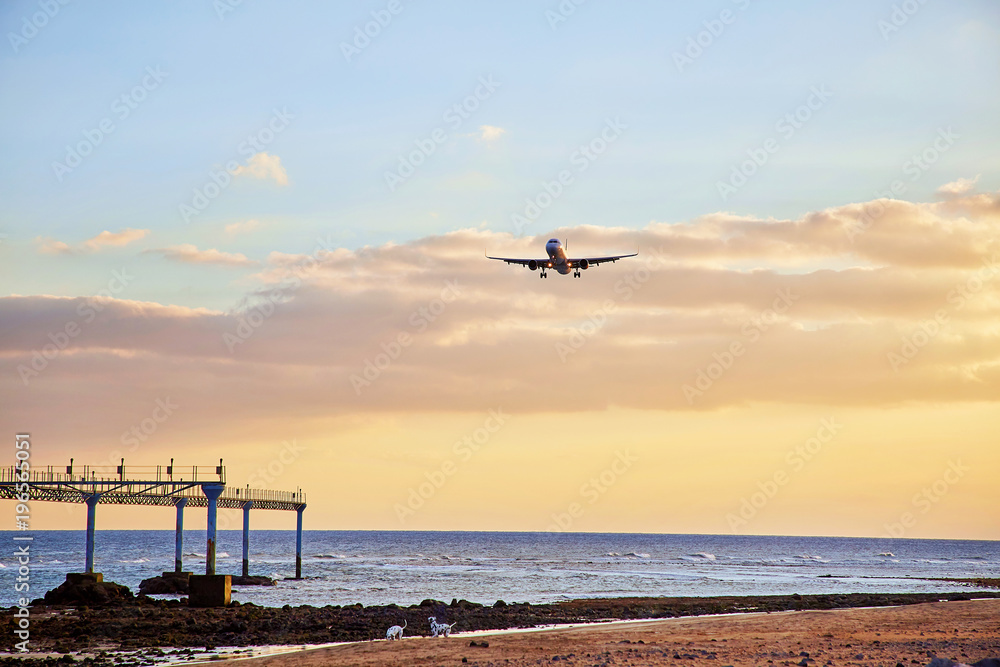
[253,232]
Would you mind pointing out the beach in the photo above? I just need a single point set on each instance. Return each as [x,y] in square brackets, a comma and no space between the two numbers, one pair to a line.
[143,623]
[964,631]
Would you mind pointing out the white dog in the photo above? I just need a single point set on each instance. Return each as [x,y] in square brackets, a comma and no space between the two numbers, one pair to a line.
[395,632]
[438,629]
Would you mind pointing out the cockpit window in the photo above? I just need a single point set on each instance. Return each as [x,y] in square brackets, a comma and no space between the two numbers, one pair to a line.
[553,240]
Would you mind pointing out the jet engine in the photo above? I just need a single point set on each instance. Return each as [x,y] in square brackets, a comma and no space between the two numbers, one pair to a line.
[584,264]
[533,265]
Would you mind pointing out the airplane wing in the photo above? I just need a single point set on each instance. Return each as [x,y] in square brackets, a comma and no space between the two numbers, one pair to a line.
[523,262]
[594,261]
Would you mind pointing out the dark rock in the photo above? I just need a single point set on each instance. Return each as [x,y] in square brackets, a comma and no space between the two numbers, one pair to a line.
[253,580]
[163,585]
[499,603]
[987,662]
[95,594]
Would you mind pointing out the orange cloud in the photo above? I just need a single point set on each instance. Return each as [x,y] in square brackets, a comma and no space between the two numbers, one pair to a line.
[904,313]
[190,254]
[103,240]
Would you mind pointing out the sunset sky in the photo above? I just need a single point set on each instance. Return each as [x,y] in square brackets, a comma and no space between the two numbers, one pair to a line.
[255,232]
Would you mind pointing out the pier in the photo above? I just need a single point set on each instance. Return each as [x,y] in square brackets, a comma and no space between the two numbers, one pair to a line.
[177,486]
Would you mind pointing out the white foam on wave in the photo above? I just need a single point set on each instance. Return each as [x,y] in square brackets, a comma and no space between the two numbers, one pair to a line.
[329,556]
[887,554]
[701,555]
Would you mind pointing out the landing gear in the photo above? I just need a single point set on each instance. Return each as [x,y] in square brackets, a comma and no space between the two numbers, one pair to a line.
[576,274]
[543,275]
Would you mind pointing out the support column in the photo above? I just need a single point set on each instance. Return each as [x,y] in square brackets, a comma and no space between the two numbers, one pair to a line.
[179,537]
[298,543]
[92,501]
[246,537]
[212,492]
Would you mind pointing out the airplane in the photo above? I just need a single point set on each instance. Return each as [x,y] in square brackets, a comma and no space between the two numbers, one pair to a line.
[558,261]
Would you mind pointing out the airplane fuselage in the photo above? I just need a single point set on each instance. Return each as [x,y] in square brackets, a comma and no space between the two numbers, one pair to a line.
[557,257]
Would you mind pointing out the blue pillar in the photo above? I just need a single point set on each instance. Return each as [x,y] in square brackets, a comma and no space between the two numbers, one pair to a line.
[246,537]
[298,543]
[92,501]
[212,492]
[179,537]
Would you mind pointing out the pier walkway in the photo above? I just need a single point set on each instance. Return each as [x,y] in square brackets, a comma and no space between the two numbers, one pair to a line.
[181,487]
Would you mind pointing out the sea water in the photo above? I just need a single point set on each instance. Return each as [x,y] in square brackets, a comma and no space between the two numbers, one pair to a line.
[382,567]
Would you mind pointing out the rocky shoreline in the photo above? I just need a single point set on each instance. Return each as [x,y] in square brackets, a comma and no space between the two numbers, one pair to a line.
[144,622]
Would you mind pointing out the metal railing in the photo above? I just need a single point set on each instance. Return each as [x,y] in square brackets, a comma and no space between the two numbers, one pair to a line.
[159,481]
[120,473]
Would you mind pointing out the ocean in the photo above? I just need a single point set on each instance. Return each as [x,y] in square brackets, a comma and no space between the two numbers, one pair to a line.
[382,567]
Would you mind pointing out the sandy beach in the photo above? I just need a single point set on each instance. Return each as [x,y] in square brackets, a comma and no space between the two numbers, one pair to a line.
[964,631]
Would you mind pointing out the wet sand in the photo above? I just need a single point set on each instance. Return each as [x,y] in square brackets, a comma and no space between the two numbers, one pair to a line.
[964,631]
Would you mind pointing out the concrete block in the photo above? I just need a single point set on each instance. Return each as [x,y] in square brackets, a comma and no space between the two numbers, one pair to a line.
[209,590]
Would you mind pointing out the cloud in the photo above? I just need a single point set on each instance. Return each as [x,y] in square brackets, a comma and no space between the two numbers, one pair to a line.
[103,240]
[241,227]
[190,254]
[490,133]
[962,186]
[816,315]
[264,165]
[114,239]
[50,246]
